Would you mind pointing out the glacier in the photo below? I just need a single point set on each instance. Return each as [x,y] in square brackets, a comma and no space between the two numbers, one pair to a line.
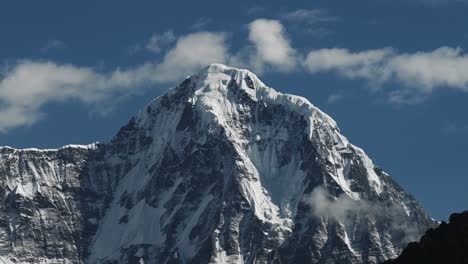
[220,169]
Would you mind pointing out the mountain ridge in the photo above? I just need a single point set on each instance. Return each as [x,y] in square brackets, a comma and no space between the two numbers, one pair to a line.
[221,169]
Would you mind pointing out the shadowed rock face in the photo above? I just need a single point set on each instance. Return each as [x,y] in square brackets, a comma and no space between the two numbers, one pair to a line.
[221,169]
[448,243]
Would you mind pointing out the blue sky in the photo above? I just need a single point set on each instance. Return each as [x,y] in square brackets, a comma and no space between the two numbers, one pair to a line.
[393,74]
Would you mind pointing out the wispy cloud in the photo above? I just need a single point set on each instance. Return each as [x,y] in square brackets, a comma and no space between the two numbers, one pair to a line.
[455,129]
[158,42]
[334,98]
[255,10]
[346,211]
[134,49]
[201,23]
[309,16]
[53,44]
[313,22]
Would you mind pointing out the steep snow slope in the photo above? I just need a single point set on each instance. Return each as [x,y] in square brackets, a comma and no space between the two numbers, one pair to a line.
[221,169]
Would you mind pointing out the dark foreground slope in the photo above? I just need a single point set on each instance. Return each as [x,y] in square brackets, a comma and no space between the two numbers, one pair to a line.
[220,169]
[447,243]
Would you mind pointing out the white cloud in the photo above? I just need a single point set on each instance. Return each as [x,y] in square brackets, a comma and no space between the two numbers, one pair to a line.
[191,53]
[443,67]
[352,65]
[417,74]
[158,42]
[271,44]
[28,85]
[309,16]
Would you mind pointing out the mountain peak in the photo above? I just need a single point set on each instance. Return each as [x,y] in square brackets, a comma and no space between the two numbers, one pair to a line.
[221,68]
[269,165]
[219,80]
[215,73]
[223,91]
[221,169]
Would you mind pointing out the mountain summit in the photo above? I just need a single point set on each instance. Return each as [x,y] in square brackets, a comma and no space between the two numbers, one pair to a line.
[220,169]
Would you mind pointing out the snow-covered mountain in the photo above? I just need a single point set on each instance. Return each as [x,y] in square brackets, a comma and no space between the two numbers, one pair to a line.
[221,169]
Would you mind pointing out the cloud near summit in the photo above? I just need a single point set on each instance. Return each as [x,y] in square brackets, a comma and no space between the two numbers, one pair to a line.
[26,86]
[271,44]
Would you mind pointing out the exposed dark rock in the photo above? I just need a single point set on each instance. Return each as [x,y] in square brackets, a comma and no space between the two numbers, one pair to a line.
[448,243]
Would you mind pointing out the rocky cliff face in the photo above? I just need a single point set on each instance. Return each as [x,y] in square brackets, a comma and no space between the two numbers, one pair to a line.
[221,169]
[50,203]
